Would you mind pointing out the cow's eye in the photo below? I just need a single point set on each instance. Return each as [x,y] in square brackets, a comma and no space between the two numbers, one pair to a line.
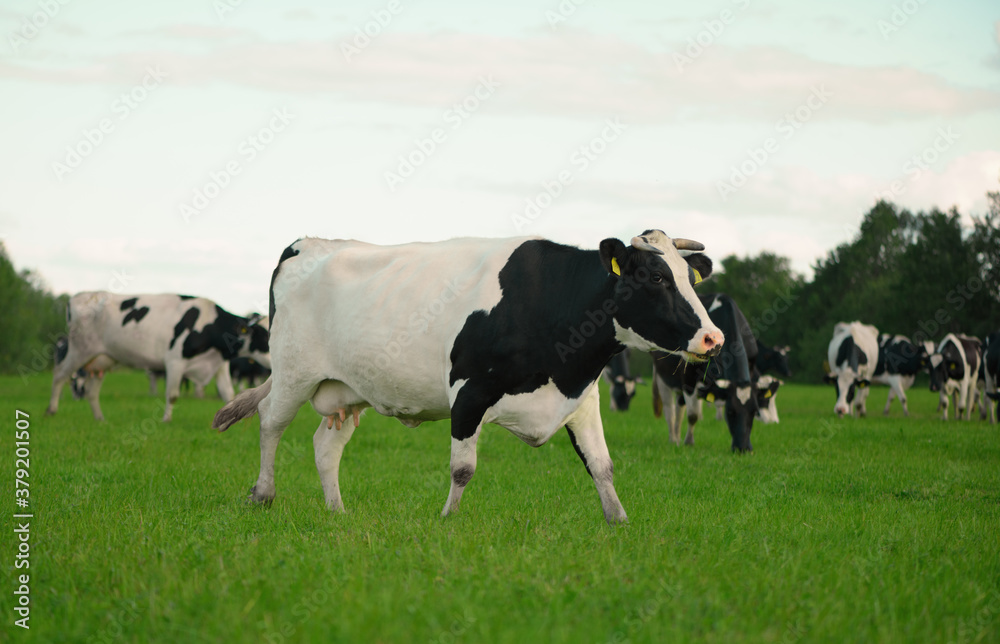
[656,278]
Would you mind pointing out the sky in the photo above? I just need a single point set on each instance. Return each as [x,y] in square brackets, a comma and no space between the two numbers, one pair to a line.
[179,147]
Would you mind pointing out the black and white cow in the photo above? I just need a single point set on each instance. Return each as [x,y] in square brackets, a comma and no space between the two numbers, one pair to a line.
[899,362]
[179,334]
[955,372]
[728,378]
[774,359]
[620,380]
[247,372]
[508,331]
[852,356]
[991,377]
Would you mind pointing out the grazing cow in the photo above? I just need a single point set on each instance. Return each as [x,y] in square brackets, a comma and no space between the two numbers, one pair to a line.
[508,331]
[955,371]
[991,377]
[852,355]
[620,380]
[773,359]
[179,334]
[727,378]
[899,362]
[247,372]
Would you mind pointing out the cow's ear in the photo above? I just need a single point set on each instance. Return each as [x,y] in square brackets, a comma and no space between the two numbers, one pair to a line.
[701,265]
[613,255]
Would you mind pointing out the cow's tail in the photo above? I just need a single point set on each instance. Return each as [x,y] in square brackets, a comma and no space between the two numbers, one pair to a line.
[657,401]
[240,407]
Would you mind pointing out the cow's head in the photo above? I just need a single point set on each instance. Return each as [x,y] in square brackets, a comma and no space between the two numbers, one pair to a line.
[943,370]
[244,337]
[622,391]
[655,306]
[848,384]
[741,407]
[767,389]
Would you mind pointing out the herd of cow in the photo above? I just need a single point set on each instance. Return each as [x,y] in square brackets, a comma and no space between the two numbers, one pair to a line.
[515,332]
[965,370]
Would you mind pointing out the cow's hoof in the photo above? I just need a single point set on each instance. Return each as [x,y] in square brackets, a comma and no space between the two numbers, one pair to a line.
[50,412]
[618,518]
[260,499]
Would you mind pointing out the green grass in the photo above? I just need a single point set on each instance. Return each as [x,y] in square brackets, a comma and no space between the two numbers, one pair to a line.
[877,529]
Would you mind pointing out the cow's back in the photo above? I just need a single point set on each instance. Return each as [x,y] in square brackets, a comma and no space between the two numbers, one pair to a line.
[382,319]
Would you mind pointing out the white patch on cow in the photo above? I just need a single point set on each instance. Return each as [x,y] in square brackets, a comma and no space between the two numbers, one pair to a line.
[716,303]
[630,387]
[936,360]
[743,394]
[534,416]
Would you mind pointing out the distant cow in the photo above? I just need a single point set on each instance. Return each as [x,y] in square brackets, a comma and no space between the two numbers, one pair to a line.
[852,356]
[179,334]
[620,381]
[955,371]
[773,359]
[899,361]
[247,372]
[514,332]
[991,377]
[727,378]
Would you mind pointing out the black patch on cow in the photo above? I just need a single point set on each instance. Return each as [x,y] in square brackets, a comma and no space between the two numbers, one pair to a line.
[547,291]
[288,253]
[770,359]
[900,356]
[850,353]
[259,337]
[61,348]
[225,333]
[462,475]
[186,297]
[579,452]
[135,314]
[129,303]
[991,355]
[186,323]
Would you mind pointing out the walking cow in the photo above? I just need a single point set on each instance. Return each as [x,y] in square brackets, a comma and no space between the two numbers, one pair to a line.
[179,334]
[852,356]
[508,331]
[899,362]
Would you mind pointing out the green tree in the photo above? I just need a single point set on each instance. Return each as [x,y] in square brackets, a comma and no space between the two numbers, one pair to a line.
[30,319]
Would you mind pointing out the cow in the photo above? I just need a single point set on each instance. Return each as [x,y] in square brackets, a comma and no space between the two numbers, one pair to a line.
[620,381]
[773,359]
[512,331]
[955,372]
[247,372]
[768,359]
[179,334]
[991,377]
[728,378]
[899,362]
[852,356]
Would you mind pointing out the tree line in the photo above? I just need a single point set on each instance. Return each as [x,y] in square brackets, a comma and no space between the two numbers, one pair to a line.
[922,275]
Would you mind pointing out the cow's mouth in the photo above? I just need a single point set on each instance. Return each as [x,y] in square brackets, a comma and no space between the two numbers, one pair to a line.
[702,357]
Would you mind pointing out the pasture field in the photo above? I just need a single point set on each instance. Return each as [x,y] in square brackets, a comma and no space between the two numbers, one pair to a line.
[860,530]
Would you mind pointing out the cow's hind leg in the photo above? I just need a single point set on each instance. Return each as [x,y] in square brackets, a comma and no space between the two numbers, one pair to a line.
[587,435]
[328,444]
[92,391]
[277,411]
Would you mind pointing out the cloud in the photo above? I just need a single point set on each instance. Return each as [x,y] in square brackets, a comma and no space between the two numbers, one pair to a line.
[566,75]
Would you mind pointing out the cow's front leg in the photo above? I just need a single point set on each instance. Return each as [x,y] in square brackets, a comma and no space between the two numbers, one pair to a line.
[587,435]
[693,404]
[224,383]
[943,404]
[463,464]
[172,389]
[888,400]
[328,443]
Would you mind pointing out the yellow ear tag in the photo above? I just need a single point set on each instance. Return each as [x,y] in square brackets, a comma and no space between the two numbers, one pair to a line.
[697,276]
[768,394]
[615,268]
[710,397]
